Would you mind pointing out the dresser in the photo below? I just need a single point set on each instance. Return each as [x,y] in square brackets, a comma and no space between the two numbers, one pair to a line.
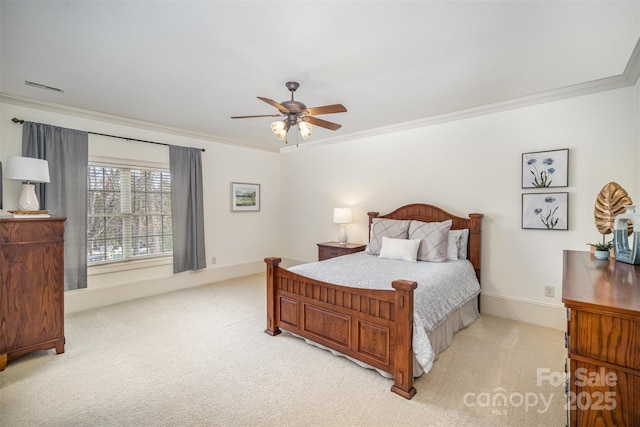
[31,286]
[328,250]
[602,298]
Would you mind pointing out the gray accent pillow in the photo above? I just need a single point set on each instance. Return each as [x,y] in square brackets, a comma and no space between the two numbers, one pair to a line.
[464,241]
[457,246]
[434,238]
[382,227]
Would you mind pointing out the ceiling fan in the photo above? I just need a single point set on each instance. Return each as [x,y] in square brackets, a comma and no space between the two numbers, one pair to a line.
[296,113]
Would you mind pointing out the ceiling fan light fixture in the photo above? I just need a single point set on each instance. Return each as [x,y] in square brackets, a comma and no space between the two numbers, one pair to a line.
[305,130]
[296,113]
[280,129]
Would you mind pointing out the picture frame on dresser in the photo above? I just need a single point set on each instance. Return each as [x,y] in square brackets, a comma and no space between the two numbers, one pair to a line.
[545,169]
[545,211]
[245,197]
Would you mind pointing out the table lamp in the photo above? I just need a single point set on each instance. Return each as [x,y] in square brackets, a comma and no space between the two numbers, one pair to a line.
[342,216]
[28,170]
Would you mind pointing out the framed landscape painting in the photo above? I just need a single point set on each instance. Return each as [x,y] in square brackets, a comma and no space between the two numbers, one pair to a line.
[545,211]
[245,197]
[545,169]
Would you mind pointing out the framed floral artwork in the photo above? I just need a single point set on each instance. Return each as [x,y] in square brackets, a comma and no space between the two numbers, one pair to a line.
[245,197]
[545,211]
[544,169]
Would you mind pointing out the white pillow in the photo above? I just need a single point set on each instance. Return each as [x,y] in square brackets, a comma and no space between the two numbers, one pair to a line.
[402,249]
[457,244]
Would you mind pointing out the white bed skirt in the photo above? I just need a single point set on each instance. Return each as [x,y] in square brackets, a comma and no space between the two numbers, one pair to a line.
[442,335]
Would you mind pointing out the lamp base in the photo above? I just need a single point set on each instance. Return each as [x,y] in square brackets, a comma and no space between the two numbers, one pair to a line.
[28,200]
[342,235]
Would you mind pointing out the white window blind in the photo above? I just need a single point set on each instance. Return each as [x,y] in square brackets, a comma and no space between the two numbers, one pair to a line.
[129,213]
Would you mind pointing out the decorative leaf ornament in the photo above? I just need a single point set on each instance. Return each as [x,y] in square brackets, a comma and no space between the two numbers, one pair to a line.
[609,204]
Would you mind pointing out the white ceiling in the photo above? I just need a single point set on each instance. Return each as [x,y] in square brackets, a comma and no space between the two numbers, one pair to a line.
[190,65]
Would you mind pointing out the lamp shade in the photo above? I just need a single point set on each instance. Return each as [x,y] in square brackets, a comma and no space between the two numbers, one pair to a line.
[305,130]
[342,215]
[280,129]
[27,169]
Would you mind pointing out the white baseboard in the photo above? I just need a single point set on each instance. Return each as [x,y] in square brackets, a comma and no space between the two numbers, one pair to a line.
[85,299]
[534,312]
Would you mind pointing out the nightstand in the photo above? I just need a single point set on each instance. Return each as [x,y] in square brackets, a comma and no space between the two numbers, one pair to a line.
[328,250]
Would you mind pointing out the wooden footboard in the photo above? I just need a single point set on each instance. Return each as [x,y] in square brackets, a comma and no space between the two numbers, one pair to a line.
[369,325]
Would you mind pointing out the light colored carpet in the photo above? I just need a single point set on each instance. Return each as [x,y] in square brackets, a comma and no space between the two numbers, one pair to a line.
[199,357]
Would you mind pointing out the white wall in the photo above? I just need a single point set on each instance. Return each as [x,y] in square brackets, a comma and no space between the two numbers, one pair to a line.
[474,165]
[465,166]
[239,241]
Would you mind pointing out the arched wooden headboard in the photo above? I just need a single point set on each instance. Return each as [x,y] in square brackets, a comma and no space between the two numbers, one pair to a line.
[430,213]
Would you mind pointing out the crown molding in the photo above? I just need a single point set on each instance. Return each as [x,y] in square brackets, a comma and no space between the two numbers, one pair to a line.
[632,70]
[512,104]
[628,78]
[119,120]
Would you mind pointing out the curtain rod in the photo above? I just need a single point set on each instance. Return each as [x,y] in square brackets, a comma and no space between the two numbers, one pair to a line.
[14,120]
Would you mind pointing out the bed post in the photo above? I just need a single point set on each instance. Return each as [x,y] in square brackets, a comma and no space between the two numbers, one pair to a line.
[403,356]
[272,265]
[371,216]
[475,244]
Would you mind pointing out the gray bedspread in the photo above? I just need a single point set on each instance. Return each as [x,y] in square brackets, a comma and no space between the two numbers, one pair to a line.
[443,287]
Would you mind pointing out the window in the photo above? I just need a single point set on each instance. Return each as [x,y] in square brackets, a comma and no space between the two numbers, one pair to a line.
[129,214]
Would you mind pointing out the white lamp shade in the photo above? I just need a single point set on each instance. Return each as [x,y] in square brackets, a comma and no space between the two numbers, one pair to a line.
[27,169]
[342,215]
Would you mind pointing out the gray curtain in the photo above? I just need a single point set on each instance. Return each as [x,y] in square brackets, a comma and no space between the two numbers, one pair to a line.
[66,150]
[187,213]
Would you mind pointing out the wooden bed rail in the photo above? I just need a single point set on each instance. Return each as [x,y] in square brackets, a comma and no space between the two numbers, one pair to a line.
[370,325]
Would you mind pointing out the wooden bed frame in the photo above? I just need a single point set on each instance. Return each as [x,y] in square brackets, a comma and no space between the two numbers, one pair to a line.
[370,325]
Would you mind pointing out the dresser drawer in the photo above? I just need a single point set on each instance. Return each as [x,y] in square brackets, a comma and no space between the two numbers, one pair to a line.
[30,231]
[602,396]
[606,338]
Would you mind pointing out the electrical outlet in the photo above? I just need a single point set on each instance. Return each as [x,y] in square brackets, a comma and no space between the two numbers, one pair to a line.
[213,260]
[549,291]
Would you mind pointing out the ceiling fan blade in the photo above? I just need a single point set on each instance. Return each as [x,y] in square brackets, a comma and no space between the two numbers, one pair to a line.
[260,115]
[326,109]
[280,107]
[322,123]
